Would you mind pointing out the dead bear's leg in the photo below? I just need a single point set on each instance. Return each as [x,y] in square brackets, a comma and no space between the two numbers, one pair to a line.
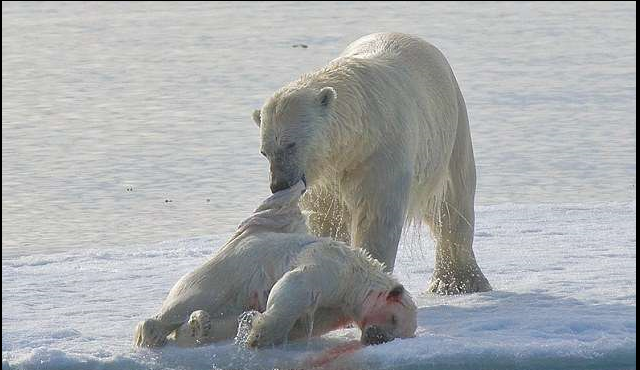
[201,329]
[152,333]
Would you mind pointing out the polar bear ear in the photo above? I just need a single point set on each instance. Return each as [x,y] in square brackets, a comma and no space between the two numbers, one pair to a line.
[256,117]
[396,293]
[326,96]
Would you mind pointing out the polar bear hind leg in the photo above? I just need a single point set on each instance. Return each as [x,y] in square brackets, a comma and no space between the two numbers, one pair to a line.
[450,215]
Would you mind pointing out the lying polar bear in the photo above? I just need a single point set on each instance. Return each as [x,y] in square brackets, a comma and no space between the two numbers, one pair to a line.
[302,284]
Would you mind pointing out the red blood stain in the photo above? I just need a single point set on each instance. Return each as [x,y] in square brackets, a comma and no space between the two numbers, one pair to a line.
[333,353]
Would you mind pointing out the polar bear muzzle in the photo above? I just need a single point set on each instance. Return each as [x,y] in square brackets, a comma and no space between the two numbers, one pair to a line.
[284,174]
[374,334]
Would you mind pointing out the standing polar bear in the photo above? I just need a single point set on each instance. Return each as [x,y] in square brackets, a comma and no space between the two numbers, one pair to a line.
[381,136]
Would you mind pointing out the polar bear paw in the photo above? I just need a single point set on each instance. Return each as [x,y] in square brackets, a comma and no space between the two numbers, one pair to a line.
[449,283]
[199,325]
[150,333]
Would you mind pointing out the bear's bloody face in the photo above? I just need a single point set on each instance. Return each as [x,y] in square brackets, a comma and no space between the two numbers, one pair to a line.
[388,315]
[290,123]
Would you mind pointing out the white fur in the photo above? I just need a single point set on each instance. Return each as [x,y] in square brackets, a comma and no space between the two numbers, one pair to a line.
[306,280]
[391,146]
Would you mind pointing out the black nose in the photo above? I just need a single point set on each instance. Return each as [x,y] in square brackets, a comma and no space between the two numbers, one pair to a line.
[279,185]
[373,335]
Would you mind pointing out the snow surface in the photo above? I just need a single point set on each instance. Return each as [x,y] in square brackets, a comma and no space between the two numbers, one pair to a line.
[564,298]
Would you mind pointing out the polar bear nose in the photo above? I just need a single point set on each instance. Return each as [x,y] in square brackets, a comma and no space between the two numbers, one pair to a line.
[276,186]
[373,335]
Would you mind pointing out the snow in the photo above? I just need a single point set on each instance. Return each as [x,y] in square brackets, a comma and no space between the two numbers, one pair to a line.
[564,298]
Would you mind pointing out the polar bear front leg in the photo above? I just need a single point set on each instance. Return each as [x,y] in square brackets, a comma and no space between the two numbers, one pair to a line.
[378,206]
[325,320]
[291,298]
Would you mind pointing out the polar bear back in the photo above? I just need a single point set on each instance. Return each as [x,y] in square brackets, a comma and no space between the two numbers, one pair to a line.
[413,103]
[395,45]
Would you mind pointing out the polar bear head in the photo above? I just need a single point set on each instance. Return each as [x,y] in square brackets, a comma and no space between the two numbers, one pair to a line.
[388,315]
[291,124]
